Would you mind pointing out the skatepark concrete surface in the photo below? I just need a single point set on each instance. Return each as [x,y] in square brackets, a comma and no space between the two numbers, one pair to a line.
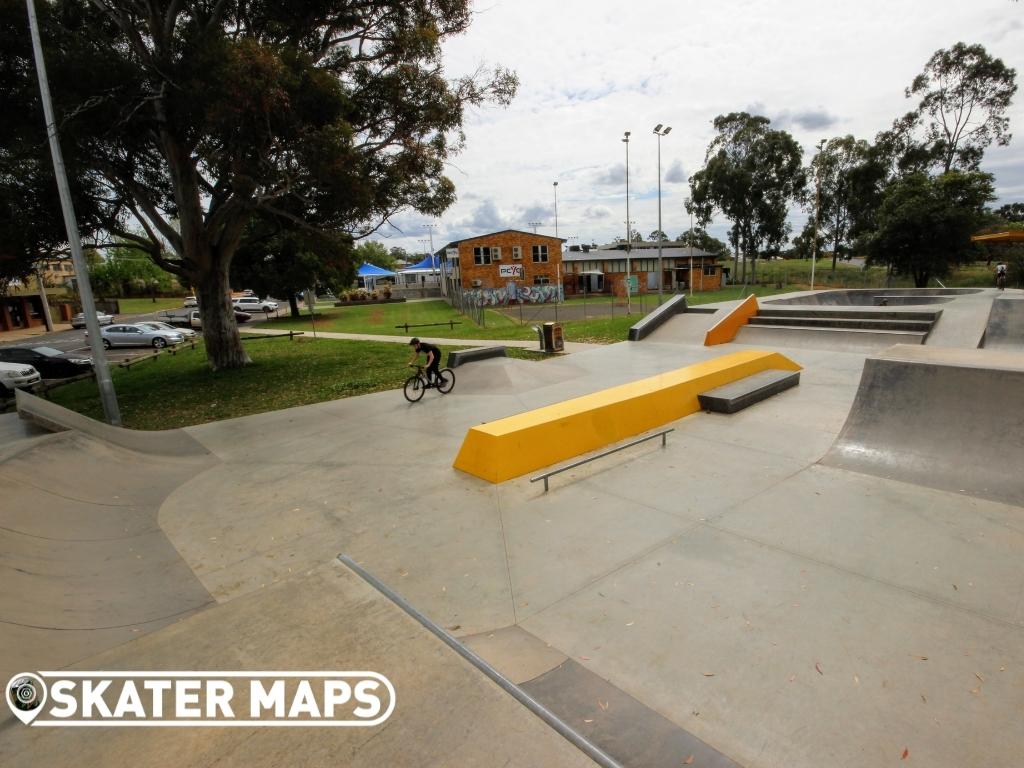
[736,597]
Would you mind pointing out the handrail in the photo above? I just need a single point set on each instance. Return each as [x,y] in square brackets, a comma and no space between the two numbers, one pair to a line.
[601,455]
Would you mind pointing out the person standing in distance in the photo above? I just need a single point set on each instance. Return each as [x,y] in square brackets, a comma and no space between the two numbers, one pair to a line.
[1001,276]
[433,359]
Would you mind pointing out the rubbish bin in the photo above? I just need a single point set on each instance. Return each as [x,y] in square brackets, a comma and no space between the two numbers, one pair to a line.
[552,338]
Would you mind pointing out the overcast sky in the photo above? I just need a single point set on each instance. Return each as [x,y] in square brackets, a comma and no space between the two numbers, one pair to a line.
[590,70]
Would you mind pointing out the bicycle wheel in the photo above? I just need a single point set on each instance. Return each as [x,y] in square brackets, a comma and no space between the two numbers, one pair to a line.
[413,389]
[445,381]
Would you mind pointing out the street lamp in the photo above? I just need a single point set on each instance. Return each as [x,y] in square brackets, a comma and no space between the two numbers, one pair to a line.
[817,212]
[629,235]
[689,237]
[659,132]
[534,224]
[554,185]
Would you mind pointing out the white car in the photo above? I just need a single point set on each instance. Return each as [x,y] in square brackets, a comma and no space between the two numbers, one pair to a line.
[191,301]
[17,376]
[254,304]
[78,321]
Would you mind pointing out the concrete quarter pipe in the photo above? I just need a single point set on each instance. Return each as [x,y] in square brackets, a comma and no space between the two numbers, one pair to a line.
[942,418]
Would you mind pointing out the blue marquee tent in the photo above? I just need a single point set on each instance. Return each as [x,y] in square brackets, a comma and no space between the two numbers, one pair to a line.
[429,264]
[370,273]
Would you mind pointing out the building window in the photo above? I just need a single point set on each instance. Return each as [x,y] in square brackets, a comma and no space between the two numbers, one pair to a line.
[540,254]
[482,255]
[541,280]
[517,252]
[710,270]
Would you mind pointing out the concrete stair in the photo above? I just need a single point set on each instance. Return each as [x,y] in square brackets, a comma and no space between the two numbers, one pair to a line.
[738,395]
[895,326]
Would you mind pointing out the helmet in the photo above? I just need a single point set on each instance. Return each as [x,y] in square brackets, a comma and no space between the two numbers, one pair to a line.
[413,341]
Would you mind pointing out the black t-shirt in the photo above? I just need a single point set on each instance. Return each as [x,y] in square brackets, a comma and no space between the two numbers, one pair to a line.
[426,349]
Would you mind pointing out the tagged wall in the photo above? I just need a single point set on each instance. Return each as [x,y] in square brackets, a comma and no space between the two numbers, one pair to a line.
[529,294]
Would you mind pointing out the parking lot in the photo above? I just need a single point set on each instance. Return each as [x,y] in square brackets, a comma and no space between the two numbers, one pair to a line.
[73,341]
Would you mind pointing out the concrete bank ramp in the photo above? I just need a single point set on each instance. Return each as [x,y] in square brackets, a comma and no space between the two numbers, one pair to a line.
[1005,329]
[83,562]
[447,713]
[943,418]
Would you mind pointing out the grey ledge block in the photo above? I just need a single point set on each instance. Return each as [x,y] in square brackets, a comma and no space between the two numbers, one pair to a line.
[752,389]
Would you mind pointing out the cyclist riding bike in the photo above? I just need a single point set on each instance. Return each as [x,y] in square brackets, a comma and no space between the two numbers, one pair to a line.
[433,359]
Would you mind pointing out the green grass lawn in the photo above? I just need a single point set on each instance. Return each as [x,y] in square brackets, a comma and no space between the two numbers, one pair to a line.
[180,390]
[144,306]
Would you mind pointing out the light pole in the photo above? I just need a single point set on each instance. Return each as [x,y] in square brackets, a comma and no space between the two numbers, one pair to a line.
[817,210]
[554,185]
[99,361]
[430,233]
[659,132]
[689,237]
[534,224]
[629,235]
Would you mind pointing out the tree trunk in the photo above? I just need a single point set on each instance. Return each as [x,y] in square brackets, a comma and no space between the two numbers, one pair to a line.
[293,305]
[220,331]
[921,278]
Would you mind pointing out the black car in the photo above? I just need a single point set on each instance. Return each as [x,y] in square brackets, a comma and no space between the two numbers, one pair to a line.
[51,363]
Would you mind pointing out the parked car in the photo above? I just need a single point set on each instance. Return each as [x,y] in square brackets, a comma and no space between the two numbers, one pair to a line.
[17,376]
[191,301]
[156,325]
[196,321]
[78,321]
[51,363]
[133,335]
[254,304]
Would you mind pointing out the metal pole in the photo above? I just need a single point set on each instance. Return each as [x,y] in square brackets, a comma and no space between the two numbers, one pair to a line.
[562,728]
[689,278]
[659,132]
[817,207]
[555,185]
[629,234]
[46,304]
[106,386]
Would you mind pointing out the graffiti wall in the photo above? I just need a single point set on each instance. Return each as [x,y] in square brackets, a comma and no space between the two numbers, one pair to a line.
[529,294]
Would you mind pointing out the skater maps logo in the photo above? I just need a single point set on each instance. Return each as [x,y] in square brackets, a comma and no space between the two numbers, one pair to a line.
[197,699]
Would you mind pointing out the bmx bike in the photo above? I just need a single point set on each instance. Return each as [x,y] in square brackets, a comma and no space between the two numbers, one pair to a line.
[417,384]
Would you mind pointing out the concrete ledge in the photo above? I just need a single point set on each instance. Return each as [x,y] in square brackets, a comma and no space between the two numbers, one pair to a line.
[513,446]
[461,356]
[56,418]
[745,392]
[674,306]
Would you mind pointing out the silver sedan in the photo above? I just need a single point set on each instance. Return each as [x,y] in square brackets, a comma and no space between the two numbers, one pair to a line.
[138,336]
[156,325]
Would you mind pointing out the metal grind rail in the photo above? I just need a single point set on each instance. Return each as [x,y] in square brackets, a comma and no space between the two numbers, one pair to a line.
[565,730]
[601,455]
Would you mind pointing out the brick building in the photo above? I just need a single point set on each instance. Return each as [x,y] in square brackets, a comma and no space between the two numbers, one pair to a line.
[603,269]
[505,266]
